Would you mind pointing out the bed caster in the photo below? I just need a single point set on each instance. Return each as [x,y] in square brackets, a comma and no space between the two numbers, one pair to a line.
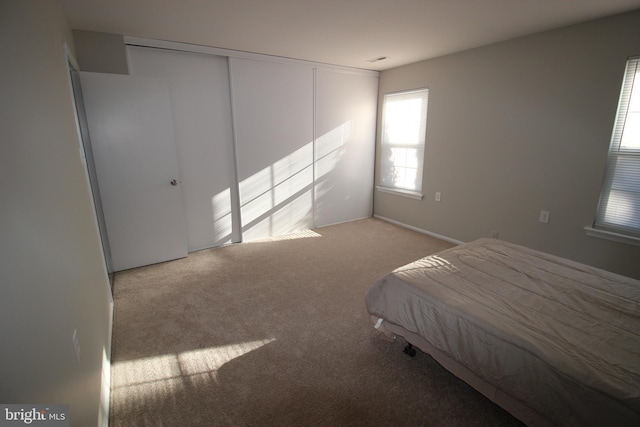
[409,350]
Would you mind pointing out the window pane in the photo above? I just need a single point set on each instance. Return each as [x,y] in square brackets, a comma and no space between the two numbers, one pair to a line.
[403,121]
[623,209]
[406,178]
[405,157]
[412,158]
[399,156]
[631,132]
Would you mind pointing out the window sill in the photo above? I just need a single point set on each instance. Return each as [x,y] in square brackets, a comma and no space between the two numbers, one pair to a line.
[398,192]
[610,235]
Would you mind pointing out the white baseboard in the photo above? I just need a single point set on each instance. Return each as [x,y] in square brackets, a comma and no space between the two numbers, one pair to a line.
[420,230]
[342,222]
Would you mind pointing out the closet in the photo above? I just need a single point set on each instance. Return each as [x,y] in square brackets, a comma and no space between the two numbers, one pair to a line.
[264,146]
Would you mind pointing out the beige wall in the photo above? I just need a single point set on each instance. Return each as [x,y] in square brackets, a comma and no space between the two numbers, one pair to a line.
[101,52]
[52,275]
[519,127]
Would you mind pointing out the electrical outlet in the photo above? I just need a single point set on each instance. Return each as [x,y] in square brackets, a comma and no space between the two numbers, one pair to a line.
[544,217]
[437,196]
[76,344]
[495,234]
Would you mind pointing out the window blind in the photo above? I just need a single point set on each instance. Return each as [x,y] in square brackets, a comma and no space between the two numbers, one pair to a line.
[403,138]
[619,207]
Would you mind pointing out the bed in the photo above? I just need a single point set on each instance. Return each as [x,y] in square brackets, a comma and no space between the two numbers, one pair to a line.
[552,341]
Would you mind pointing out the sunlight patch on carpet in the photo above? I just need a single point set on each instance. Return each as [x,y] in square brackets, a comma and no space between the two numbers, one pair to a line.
[291,236]
[162,376]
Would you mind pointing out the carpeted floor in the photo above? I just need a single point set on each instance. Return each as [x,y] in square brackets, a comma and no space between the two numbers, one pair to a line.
[276,333]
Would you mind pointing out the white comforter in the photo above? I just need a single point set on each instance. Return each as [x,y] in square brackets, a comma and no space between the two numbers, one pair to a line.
[560,336]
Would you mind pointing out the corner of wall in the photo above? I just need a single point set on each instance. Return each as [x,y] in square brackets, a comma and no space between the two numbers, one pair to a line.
[101,52]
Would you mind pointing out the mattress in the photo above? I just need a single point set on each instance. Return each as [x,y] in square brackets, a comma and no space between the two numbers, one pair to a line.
[556,336]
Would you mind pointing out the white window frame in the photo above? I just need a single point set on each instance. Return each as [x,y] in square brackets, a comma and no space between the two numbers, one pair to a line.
[393,141]
[618,213]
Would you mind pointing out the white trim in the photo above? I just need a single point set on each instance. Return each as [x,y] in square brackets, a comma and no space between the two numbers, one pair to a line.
[208,50]
[610,235]
[420,230]
[400,192]
[70,60]
[314,125]
[341,222]
[236,232]
[70,57]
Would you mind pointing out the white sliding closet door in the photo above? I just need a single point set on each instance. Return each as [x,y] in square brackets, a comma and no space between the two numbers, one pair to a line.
[201,105]
[273,115]
[345,145]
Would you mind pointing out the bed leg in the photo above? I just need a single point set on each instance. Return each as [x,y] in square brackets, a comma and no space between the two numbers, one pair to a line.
[409,350]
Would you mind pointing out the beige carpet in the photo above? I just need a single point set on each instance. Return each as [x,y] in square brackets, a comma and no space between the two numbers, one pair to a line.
[277,333]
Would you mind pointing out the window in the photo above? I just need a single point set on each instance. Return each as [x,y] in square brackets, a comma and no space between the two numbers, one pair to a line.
[404,126]
[619,207]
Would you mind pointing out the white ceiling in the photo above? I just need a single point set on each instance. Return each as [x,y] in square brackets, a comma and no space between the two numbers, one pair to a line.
[340,32]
